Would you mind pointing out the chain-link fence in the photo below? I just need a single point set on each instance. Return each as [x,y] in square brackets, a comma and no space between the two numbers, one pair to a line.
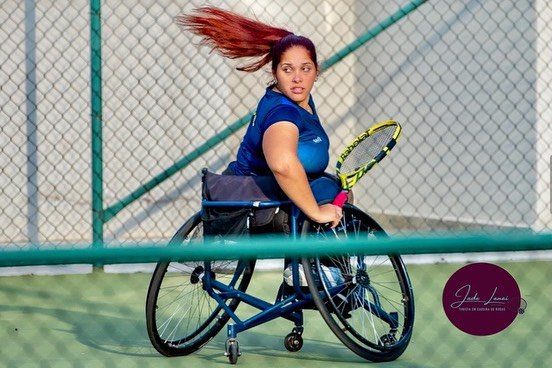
[470,82]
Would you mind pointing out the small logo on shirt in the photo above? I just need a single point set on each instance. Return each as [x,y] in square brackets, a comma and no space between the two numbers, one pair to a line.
[317,140]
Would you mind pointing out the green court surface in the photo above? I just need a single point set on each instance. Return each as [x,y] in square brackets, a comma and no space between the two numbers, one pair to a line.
[97,320]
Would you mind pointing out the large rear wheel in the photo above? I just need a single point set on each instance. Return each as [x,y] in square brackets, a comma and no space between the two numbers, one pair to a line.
[367,301]
[181,316]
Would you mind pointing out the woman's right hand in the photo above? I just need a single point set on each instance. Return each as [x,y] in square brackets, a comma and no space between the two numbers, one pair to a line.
[328,213]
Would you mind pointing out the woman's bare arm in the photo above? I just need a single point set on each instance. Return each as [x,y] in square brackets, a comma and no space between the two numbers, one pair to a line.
[280,149]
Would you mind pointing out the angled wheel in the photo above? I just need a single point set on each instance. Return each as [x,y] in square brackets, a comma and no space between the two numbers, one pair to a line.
[293,342]
[367,301]
[232,350]
[181,317]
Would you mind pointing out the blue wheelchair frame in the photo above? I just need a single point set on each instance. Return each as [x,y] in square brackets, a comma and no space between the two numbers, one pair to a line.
[289,307]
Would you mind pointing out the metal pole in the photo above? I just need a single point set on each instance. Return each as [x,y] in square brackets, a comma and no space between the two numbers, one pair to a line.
[96,105]
[258,247]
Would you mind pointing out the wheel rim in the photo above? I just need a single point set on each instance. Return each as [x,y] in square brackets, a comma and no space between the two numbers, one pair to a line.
[185,316]
[366,282]
[364,320]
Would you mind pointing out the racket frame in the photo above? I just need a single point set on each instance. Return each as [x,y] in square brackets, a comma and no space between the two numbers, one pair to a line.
[349,179]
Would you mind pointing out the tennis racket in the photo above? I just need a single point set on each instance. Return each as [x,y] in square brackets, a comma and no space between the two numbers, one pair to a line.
[363,153]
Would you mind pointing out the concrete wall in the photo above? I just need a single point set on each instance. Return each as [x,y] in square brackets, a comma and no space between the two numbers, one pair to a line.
[469,81]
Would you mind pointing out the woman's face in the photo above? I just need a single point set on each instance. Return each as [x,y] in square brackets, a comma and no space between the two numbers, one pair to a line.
[295,75]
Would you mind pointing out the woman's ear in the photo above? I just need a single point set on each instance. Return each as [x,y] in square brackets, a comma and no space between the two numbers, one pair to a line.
[274,82]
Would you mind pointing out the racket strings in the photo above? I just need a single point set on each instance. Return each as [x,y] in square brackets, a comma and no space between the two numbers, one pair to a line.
[368,149]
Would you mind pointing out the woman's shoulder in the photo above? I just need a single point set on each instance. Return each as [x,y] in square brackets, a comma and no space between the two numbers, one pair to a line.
[273,100]
[275,107]
[280,113]
[275,103]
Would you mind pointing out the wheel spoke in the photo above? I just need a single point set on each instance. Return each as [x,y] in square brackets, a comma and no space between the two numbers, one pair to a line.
[181,316]
[374,288]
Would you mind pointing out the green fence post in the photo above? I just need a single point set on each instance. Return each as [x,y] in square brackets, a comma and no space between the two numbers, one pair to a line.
[96,105]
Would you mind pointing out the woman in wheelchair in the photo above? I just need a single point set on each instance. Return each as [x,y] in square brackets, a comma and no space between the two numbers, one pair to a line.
[367,302]
[285,138]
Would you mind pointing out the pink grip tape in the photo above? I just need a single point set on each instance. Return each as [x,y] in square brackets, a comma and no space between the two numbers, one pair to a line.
[340,199]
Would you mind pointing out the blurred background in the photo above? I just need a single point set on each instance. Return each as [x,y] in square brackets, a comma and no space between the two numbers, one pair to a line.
[468,80]
[108,112]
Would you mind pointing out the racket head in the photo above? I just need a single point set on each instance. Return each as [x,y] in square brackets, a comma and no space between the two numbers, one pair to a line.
[365,151]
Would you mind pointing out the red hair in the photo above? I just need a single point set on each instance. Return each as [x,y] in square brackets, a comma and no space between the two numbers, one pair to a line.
[236,36]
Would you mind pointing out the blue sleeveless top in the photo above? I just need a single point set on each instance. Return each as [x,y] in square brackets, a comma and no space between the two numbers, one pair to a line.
[313,145]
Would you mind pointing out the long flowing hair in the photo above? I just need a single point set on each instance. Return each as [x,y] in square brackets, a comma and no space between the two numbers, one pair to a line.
[236,36]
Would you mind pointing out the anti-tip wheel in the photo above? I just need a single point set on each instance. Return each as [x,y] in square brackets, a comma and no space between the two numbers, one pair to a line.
[293,342]
[232,350]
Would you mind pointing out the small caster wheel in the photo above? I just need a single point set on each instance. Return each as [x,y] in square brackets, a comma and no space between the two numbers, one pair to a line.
[388,340]
[293,342]
[232,350]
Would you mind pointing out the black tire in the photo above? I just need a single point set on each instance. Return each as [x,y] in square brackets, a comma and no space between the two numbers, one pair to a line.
[181,317]
[293,342]
[233,351]
[367,281]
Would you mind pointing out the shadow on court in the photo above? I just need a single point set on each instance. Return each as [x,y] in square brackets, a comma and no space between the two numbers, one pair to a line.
[70,318]
[98,320]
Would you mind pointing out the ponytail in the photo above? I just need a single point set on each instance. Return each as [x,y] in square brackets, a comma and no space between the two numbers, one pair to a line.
[236,36]
[233,35]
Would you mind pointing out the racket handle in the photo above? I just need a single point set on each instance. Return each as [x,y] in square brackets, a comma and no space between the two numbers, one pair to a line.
[341,198]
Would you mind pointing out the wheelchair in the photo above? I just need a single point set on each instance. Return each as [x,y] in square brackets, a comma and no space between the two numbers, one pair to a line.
[366,301]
